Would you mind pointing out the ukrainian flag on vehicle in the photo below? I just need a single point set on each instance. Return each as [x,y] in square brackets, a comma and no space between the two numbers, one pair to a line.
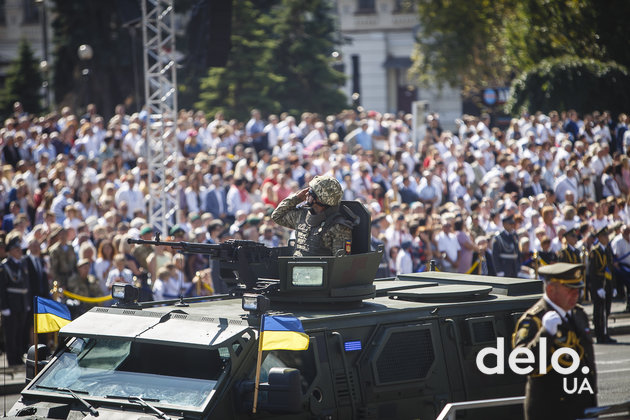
[282,333]
[50,316]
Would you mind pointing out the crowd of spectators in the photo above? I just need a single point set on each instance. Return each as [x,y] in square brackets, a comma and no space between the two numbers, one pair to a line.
[74,188]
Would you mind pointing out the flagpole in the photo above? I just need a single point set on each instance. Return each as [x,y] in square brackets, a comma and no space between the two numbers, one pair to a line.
[258,362]
[35,309]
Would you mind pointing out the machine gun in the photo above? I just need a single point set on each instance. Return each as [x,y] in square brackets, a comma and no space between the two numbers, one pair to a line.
[246,259]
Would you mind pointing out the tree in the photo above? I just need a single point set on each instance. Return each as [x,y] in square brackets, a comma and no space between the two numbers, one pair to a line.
[248,80]
[304,36]
[462,43]
[23,83]
[477,43]
[569,83]
[540,29]
[100,25]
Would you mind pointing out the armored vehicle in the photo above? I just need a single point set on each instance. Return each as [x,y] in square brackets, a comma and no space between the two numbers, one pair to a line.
[398,348]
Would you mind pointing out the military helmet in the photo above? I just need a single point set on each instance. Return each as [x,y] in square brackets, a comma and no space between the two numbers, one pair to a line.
[326,190]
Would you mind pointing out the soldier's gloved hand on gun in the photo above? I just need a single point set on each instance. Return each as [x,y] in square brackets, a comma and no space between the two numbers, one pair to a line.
[6,312]
[601,293]
[550,322]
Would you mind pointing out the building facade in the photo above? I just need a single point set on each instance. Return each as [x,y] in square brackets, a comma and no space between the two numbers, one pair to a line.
[22,19]
[379,38]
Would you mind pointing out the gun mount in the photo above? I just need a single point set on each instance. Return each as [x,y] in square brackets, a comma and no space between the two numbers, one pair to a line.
[284,278]
[248,260]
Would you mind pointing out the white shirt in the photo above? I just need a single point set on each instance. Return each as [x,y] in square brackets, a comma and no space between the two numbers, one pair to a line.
[404,264]
[621,247]
[449,244]
[133,198]
[561,312]
[116,276]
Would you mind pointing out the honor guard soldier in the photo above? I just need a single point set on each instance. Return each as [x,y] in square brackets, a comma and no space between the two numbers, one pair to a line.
[570,253]
[600,282]
[14,301]
[320,227]
[505,253]
[561,322]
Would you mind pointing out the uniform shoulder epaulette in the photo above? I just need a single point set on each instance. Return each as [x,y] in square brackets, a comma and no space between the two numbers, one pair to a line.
[537,309]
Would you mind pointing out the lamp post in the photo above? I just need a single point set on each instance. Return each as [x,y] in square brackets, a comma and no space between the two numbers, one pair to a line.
[43,67]
[85,54]
[45,63]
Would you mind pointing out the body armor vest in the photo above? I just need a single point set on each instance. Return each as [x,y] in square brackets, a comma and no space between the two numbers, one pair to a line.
[309,234]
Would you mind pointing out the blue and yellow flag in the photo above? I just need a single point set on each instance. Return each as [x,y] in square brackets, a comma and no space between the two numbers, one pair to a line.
[282,333]
[50,316]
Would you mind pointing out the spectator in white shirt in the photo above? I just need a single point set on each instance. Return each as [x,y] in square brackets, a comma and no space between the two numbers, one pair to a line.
[120,273]
[130,193]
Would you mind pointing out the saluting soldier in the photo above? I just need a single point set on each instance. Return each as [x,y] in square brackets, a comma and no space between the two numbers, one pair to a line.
[505,252]
[570,254]
[600,282]
[63,260]
[320,227]
[558,319]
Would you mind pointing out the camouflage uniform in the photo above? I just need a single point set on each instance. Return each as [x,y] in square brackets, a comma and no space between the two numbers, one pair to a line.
[316,234]
[87,287]
[63,263]
[141,253]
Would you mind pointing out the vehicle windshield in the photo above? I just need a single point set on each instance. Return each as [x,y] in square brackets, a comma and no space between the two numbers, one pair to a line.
[166,374]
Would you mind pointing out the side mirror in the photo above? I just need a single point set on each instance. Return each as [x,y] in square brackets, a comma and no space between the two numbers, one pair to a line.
[42,359]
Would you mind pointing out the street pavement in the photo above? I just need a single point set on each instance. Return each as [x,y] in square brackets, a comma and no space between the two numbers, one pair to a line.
[613,371]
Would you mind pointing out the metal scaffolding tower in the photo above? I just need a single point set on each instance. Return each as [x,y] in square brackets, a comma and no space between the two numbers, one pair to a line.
[160,87]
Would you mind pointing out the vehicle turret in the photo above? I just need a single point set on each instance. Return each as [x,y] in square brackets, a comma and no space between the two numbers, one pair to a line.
[252,268]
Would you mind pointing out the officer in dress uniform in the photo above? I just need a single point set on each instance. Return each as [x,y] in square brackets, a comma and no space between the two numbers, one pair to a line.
[563,323]
[505,253]
[14,301]
[570,253]
[600,282]
[320,227]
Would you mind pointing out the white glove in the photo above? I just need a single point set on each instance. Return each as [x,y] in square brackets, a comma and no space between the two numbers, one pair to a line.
[614,293]
[550,322]
[601,293]
[500,274]
[6,312]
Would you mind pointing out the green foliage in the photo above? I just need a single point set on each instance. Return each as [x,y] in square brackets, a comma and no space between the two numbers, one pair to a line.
[23,83]
[570,82]
[280,61]
[99,24]
[541,29]
[304,39]
[479,43]
[461,43]
[248,79]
